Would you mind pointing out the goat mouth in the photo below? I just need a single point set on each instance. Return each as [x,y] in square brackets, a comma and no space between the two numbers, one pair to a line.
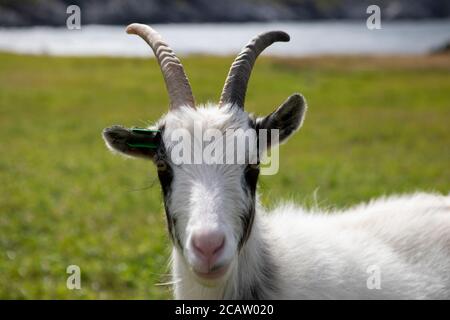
[213,274]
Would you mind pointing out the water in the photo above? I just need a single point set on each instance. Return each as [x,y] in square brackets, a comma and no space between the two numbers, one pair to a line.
[307,38]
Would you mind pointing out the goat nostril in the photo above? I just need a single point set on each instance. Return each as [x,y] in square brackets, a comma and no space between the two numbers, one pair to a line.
[220,247]
[197,247]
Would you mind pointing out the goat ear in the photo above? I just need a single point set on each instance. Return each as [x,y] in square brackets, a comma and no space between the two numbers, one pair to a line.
[287,118]
[132,142]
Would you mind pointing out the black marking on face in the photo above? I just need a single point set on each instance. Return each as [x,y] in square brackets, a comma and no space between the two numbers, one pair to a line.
[165,175]
[166,184]
[249,183]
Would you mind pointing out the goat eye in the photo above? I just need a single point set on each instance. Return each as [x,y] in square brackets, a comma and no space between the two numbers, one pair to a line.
[161,166]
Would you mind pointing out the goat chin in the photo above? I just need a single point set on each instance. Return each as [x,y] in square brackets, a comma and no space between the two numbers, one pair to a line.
[293,253]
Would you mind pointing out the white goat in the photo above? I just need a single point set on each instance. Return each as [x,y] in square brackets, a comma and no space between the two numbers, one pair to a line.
[226,246]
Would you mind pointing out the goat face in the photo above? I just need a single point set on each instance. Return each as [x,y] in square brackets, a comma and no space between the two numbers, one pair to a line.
[210,205]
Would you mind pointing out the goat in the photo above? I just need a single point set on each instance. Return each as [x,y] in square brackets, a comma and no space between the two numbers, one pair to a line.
[227,246]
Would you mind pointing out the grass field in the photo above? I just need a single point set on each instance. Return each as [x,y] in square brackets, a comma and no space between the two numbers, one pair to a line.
[374,126]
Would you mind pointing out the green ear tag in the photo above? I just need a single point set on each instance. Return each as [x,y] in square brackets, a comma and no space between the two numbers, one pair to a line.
[144,131]
[142,145]
[149,132]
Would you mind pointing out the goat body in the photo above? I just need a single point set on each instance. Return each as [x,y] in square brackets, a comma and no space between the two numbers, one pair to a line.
[298,254]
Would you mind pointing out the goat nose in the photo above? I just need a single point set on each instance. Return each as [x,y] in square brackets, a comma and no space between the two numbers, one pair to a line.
[208,245]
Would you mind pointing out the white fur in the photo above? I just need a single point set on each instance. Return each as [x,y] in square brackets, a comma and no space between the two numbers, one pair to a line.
[326,255]
[318,255]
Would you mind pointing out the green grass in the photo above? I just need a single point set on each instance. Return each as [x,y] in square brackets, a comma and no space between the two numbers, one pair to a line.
[374,126]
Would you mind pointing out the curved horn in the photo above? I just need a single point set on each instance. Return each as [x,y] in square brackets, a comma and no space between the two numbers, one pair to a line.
[177,83]
[236,84]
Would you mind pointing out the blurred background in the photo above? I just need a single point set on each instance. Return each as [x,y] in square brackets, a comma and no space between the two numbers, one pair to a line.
[377,124]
